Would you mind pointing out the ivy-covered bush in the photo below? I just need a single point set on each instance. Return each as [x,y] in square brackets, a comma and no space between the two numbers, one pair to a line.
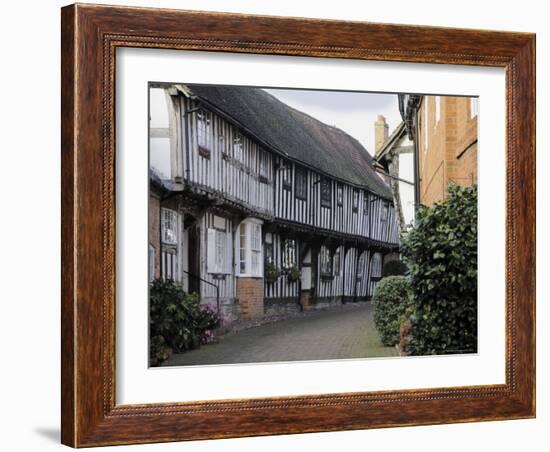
[441,254]
[177,321]
[394,268]
[391,307]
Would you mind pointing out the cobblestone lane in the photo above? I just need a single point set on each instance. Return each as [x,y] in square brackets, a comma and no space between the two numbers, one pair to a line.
[347,332]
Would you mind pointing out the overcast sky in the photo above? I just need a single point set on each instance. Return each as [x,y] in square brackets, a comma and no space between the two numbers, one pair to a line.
[352,112]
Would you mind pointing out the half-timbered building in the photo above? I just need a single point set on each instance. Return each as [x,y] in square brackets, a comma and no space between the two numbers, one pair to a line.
[261,208]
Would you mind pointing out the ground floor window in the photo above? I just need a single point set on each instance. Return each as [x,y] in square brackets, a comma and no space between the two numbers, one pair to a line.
[218,249]
[336,263]
[289,253]
[169,225]
[325,262]
[250,248]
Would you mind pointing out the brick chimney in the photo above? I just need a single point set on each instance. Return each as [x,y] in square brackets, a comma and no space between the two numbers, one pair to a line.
[380,132]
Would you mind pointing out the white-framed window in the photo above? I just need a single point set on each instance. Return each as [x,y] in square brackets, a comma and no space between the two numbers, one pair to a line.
[218,249]
[325,262]
[437,109]
[204,130]
[169,225]
[474,107]
[250,261]
[289,253]
[151,270]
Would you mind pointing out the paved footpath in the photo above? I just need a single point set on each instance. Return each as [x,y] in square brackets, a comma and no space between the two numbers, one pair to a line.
[347,332]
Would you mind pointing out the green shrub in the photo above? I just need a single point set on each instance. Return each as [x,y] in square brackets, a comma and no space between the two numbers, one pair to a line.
[441,254]
[178,318]
[271,273]
[293,274]
[158,351]
[391,307]
[394,268]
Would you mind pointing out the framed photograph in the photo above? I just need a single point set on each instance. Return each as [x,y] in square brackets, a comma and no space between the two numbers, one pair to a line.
[281,225]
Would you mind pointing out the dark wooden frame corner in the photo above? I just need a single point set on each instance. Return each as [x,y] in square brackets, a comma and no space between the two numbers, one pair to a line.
[90,36]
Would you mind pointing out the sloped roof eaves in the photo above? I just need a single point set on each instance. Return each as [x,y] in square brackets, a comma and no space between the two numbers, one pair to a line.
[315,144]
[386,146]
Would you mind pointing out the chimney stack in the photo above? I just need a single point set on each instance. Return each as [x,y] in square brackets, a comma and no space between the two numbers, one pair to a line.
[380,132]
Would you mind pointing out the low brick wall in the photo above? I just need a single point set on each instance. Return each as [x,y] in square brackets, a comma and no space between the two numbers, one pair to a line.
[282,306]
[250,293]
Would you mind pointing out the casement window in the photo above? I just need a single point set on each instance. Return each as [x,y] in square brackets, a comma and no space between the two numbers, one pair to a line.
[204,133]
[289,253]
[325,262]
[238,148]
[365,203]
[355,200]
[151,256]
[474,107]
[286,175]
[264,177]
[385,212]
[250,248]
[268,249]
[301,183]
[361,265]
[326,192]
[336,262]
[219,246]
[169,226]
[437,109]
[340,195]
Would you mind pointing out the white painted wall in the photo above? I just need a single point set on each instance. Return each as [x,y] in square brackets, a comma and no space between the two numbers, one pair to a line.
[31,362]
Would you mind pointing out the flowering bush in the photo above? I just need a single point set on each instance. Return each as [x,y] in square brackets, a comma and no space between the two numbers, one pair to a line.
[177,320]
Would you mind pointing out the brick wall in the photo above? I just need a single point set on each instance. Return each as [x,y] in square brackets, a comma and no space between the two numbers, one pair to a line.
[451,153]
[250,293]
[154,229]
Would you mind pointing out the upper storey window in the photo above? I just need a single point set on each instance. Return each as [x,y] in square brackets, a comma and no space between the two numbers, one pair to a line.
[301,183]
[340,195]
[385,211]
[355,200]
[204,132]
[238,148]
[365,203]
[326,192]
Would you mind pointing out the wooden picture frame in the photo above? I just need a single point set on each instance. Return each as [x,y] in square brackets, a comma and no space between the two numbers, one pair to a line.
[90,36]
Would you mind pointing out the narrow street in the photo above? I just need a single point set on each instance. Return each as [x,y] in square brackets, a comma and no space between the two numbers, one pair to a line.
[347,332]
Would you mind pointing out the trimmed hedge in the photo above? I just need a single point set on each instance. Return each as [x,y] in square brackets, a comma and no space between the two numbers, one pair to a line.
[391,306]
[394,268]
[441,254]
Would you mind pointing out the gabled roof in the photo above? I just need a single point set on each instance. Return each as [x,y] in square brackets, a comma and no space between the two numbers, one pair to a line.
[294,134]
[399,131]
